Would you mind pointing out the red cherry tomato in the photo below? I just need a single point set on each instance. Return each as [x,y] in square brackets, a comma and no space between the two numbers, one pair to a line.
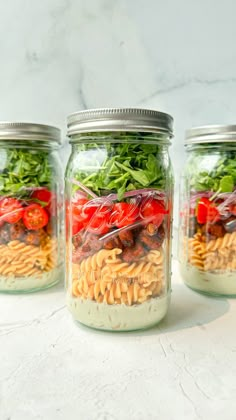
[124,214]
[155,209]
[35,217]
[47,197]
[207,211]
[11,210]
[43,195]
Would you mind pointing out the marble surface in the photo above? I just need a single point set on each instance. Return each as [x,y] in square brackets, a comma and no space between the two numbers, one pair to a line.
[59,56]
[54,369]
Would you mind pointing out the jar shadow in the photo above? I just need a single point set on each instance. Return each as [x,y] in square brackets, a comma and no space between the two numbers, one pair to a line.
[189,309]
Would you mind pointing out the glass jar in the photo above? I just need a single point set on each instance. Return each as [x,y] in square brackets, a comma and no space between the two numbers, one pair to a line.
[31,207]
[119,186]
[207,241]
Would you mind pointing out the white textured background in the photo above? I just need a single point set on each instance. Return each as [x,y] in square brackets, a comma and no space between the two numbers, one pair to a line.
[60,56]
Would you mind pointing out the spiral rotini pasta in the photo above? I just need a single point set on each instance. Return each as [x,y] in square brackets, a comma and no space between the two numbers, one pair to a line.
[21,260]
[216,254]
[104,277]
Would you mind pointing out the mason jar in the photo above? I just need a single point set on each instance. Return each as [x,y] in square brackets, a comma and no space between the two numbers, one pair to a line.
[119,186]
[31,207]
[207,241]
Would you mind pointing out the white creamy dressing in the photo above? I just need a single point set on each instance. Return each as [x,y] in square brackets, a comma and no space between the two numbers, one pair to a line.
[118,317]
[221,283]
[13,284]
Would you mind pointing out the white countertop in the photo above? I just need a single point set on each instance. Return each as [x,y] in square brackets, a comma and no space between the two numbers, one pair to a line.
[51,368]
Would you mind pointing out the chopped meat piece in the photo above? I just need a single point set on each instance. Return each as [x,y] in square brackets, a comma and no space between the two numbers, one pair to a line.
[206,238]
[92,242]
[86,248]
[151,229]
[213,230]
[126,238]
[78,255]
[32,238]
[130,255]
[161,233]
[49,228]
[77,240]
[113,243]
[42,234]
[17,231]
[4,234]
[87,243]
[152,241]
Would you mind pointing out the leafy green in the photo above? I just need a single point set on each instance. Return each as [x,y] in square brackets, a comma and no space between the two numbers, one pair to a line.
[215,171]
[227,184]
[22,169]
[119,167]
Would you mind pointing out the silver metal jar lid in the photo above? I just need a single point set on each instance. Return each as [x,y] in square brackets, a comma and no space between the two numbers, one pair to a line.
[119,119]
[211,134]
[29,131]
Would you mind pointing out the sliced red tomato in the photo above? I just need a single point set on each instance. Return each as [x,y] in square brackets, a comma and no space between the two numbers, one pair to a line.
[154,209]
[207,211]
[11,210]
[124,214]
[35,217]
